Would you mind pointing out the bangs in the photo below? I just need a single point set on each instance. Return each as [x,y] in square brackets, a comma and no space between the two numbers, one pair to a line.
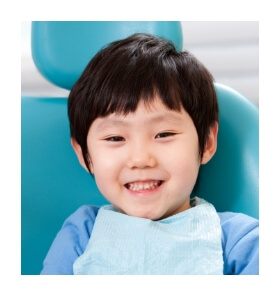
[125,86]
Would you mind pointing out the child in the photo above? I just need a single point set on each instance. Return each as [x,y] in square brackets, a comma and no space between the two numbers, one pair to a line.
[143,118]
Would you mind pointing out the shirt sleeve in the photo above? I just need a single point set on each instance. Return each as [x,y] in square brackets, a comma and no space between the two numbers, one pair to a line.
[240,244]
[70,242]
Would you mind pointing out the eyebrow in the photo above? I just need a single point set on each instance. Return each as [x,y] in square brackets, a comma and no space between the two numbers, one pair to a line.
[109,122]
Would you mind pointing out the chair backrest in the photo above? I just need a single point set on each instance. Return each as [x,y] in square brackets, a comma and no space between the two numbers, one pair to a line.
[231,179]
[53,183]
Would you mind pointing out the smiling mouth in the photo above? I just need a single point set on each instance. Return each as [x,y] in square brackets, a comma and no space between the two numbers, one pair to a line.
[143,185]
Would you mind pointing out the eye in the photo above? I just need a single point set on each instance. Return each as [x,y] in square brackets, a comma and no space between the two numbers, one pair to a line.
[115,139]
[164,135]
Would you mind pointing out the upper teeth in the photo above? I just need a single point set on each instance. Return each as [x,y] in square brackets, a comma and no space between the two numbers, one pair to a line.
[137,186]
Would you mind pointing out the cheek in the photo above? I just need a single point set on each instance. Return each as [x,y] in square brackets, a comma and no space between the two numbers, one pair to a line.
[186,170]
[106,178]
[106,166]
[101,157]
[184,164]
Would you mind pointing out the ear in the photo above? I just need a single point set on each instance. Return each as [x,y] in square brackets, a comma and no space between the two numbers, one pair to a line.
[211,143]
[78,150]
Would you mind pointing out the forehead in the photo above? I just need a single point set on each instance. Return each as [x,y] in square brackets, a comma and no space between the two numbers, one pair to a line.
[146,114]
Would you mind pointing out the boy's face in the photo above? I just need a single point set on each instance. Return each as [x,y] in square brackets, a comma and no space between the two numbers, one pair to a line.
[146,163]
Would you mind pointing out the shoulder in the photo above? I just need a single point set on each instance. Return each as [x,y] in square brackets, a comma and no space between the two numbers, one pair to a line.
[71,241]
[82,219]
[78,226]
[240,240]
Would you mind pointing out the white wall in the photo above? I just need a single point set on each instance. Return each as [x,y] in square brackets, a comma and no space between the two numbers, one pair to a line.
[228,49]
[32,82]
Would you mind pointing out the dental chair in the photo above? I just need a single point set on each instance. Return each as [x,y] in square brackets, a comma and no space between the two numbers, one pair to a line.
[53,183]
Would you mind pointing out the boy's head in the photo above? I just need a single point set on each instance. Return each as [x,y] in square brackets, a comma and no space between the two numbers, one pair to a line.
[143,117]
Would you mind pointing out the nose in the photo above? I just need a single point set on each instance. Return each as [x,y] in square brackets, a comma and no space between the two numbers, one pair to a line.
[140,157]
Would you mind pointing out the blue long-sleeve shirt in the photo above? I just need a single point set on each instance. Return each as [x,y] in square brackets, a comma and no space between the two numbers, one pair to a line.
[240,242]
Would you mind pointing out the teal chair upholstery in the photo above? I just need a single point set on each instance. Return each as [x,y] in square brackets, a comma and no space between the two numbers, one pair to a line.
[53,183]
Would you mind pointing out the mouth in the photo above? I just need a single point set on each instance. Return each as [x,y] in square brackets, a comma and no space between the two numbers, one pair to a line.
[144,186]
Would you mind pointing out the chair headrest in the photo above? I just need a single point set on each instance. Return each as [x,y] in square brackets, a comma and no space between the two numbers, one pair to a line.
[61,50]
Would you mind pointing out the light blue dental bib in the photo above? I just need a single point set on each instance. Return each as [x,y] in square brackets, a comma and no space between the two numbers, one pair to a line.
[186,243]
